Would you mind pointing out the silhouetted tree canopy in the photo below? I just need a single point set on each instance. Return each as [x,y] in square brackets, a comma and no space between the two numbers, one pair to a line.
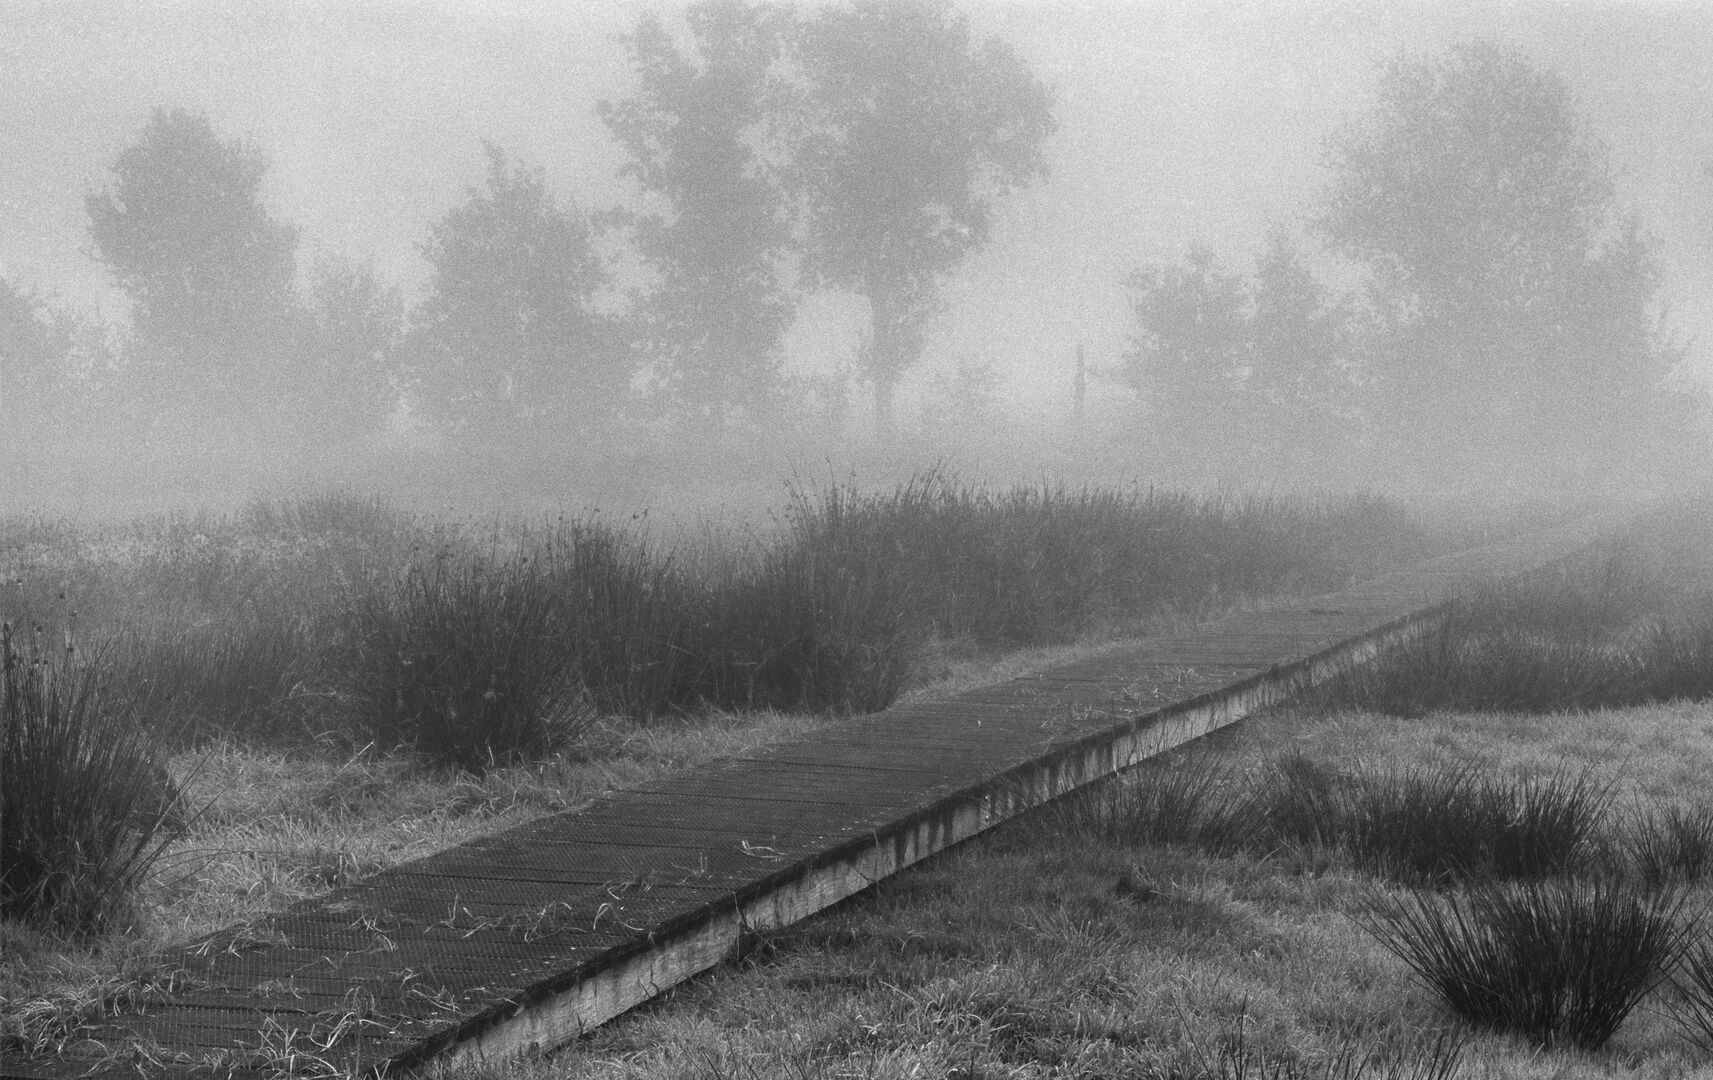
[1247,374]
[912,131]
[1300,388]
[359,322]
[1189,354]
[509,335]
[698,132]
[963,401]
[33,348]
[208,269]
[1516,297]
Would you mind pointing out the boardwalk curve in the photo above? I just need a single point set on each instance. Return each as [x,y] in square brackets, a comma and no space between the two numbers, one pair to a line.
[523,940]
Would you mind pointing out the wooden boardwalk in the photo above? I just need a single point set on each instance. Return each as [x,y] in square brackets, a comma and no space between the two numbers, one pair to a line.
[525,939]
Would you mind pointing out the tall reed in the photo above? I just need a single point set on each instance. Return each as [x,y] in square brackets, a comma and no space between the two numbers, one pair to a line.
[245,624]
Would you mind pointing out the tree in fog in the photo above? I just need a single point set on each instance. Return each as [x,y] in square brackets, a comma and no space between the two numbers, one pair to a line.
[1300,387]
[699,133]
[1189,356]
[208,269]
[912,131]
[34,343]
[509,336]
[1516,297]
[359,322]
[962,401]
[1235,373]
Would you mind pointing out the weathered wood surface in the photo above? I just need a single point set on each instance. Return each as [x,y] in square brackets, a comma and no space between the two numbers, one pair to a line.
[522,940]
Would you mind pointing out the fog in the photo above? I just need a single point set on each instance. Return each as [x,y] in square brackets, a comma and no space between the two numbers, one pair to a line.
[1177,128]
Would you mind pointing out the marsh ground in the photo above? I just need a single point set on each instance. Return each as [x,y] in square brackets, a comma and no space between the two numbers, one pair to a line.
[1045,949]
[278,822]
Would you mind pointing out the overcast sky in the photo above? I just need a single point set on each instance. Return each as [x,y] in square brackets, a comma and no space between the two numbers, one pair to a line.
[1177,122]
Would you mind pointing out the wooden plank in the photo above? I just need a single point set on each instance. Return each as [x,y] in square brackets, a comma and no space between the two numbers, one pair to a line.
[763,819]
[76,1065]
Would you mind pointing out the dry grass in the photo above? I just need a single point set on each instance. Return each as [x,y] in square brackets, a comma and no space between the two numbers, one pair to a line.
[273,828]
[1055,948]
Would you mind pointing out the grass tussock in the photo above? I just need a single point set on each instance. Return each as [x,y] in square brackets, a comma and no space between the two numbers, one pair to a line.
[462,661]
[1429,824]
[1436,823]
[1185,799]
[1671,845]
[1561,961]
[85,803]
[1691,1008]
[248,675]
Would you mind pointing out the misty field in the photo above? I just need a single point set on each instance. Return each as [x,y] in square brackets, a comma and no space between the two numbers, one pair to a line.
[209,717]
[664,253]
[1090,941]
[1365,884]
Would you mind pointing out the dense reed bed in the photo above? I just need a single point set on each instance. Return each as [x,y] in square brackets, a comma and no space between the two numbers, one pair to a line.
[300,618]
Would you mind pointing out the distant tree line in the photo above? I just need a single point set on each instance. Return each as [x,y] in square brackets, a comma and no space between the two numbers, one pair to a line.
[1505,316]
[1507,322]
[777,151]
